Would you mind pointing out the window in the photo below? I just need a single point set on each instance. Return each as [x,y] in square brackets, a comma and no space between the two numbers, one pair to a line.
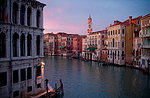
[15,76]
[2,10]
[38,71]
[23,74]
[15,12]
[119,31]
[113,32]
[102,42]
[29,88]
[118,53]
[3,79]
[113,42]
[22,14]
[39,85]
[116,32]
[29,44]
[29,16]
[29,73]
[15,44]
[15,93]
[122,55]
[38,18]
[122,31]
[38,45]
[143,62]
[2,45]
[123,44]
[22,45]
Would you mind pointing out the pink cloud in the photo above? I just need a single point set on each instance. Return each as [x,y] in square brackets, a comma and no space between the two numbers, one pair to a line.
[54,23]
[59,11]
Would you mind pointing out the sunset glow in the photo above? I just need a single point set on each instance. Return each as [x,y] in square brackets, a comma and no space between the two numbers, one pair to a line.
[71,15]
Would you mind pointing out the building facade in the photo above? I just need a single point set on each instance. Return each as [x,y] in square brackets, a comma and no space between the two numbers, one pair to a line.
[21,48]
[132,29]
[116,43]
[104,55]
[50,44]
[145,46]
[77,46]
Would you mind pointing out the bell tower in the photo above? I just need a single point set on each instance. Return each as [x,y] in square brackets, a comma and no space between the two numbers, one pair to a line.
[89,24]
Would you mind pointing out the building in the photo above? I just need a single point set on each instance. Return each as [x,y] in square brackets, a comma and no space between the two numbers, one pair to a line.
[50,44]
[77,46]
[21,48]
[132,29]
[116,43]
[94,42]
[84,46]
[104,55]
[145,46]
[121,37]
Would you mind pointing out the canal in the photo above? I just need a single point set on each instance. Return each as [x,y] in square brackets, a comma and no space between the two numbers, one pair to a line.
[88,80]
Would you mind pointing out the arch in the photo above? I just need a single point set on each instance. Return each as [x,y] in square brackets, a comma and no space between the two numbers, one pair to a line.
[38,45]
[15,44]
[29,44]
[29,16]
[38,18]
[22,45]
[2,45]
[22,15]
[15,12]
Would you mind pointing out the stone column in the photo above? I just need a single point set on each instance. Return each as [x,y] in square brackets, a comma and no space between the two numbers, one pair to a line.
[18,46]
[41,18]
[41,46]
[25,44]
[33,45]
[8,47]
[11,46]
[32,17]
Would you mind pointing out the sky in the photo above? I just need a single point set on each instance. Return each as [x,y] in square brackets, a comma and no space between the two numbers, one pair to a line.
[71,16]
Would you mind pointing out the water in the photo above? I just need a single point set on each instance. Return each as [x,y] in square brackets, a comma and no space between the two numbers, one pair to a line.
[88,80]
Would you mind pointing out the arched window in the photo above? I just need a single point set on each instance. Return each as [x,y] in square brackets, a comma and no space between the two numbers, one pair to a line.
[29,44]
[22,15]
[38,45]
[15,44]
[29,16]
[3,5]
[22,45]
[15,12]
[2,45]
[38,18]
[113,42]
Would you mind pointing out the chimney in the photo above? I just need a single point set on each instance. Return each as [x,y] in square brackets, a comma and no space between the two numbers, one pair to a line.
[110,25]
[130,19]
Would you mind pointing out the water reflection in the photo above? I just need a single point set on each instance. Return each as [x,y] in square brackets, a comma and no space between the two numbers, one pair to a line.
[88,80]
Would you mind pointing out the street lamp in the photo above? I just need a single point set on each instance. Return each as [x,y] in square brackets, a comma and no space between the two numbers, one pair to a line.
[42,63]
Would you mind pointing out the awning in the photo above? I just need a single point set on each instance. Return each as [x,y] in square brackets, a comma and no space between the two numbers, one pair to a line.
[91,48]
[62,46]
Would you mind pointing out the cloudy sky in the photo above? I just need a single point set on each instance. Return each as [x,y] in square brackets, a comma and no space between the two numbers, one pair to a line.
[71,16]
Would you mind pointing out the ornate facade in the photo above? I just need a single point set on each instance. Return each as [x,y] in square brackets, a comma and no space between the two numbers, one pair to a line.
[21,49]
[145,46]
